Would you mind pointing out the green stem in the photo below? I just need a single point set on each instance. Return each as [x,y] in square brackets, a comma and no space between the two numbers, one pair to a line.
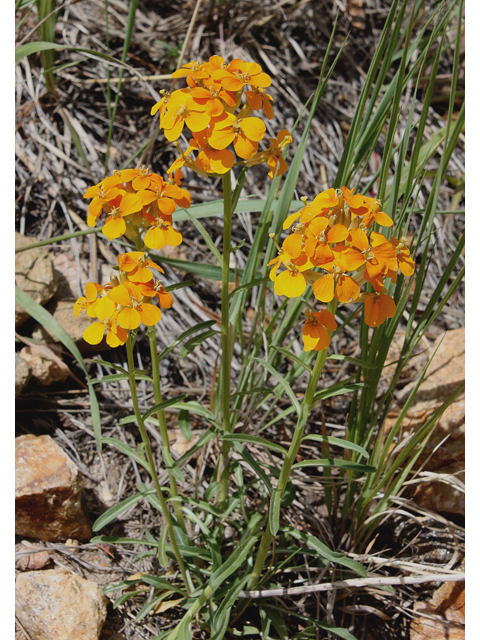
[162,423]
[289,459]
[224,465]
[151,461]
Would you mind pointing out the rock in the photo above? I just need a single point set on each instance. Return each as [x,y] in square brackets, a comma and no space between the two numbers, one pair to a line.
[447,495]
[445,372]
[31,557]
[46,367]
[445,451]
[48,492]
[34,274]
[446,611]
[57,605]
[22,374]
[178,443]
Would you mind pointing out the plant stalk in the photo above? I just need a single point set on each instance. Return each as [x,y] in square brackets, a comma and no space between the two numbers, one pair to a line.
[307,405]
[151,461]
[162,423]
[224,463]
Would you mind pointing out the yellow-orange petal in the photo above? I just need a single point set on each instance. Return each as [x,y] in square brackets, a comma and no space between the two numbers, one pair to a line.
[351,259]
[93,334]
[290,284]
[327,319]
[324,288]
[309,342]
[253,128]
[221,138]
[129,318]
[373,314]
[114,228]
[91,291]
[338,233]
[293,245]
[120,295]
[155,238]
[149,313]
[173,237]
[358,238]
[347,290]
[291,219]
[388,306]
[244,147]
[104,308]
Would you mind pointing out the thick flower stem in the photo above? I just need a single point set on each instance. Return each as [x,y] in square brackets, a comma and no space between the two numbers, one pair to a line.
[289,460]
[157,391]
[151,461]
[224,465]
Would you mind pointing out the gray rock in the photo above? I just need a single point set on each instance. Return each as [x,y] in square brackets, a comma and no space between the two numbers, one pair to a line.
[22,374]
[58,605]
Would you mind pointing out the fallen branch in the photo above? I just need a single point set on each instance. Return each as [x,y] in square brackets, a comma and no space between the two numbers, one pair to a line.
[354,582]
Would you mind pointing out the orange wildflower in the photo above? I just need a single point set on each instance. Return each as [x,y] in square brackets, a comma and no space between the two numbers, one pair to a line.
[134,310]
[124,205]
[378,307]
[107,316]
[88,301]
[183,110]
[240,73]
[156,288]
[245,134]
[137,266]
[315,334]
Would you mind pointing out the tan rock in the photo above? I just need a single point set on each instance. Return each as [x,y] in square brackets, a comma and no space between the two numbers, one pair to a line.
[45,366]
[445,451]
[443,616]
[58,605]
[22,374]
[34,274]
[446,495]
[445,372]
[31,557]
[48,492]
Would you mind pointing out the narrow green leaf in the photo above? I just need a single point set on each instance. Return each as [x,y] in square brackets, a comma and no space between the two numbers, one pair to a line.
[163,405]
[292,356]
[185,334]
[34,47]
[162,548]
[117,510]
[245,438]
[330,462]
[124,448]
[183,420]
[325,552]
[339,442]
[115,377]
[288,389]
[190,345]
[274,512]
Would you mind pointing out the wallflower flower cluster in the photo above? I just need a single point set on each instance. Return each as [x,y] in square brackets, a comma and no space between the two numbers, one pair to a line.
[333,233]
[125,302]
[217,106]
[135,201]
